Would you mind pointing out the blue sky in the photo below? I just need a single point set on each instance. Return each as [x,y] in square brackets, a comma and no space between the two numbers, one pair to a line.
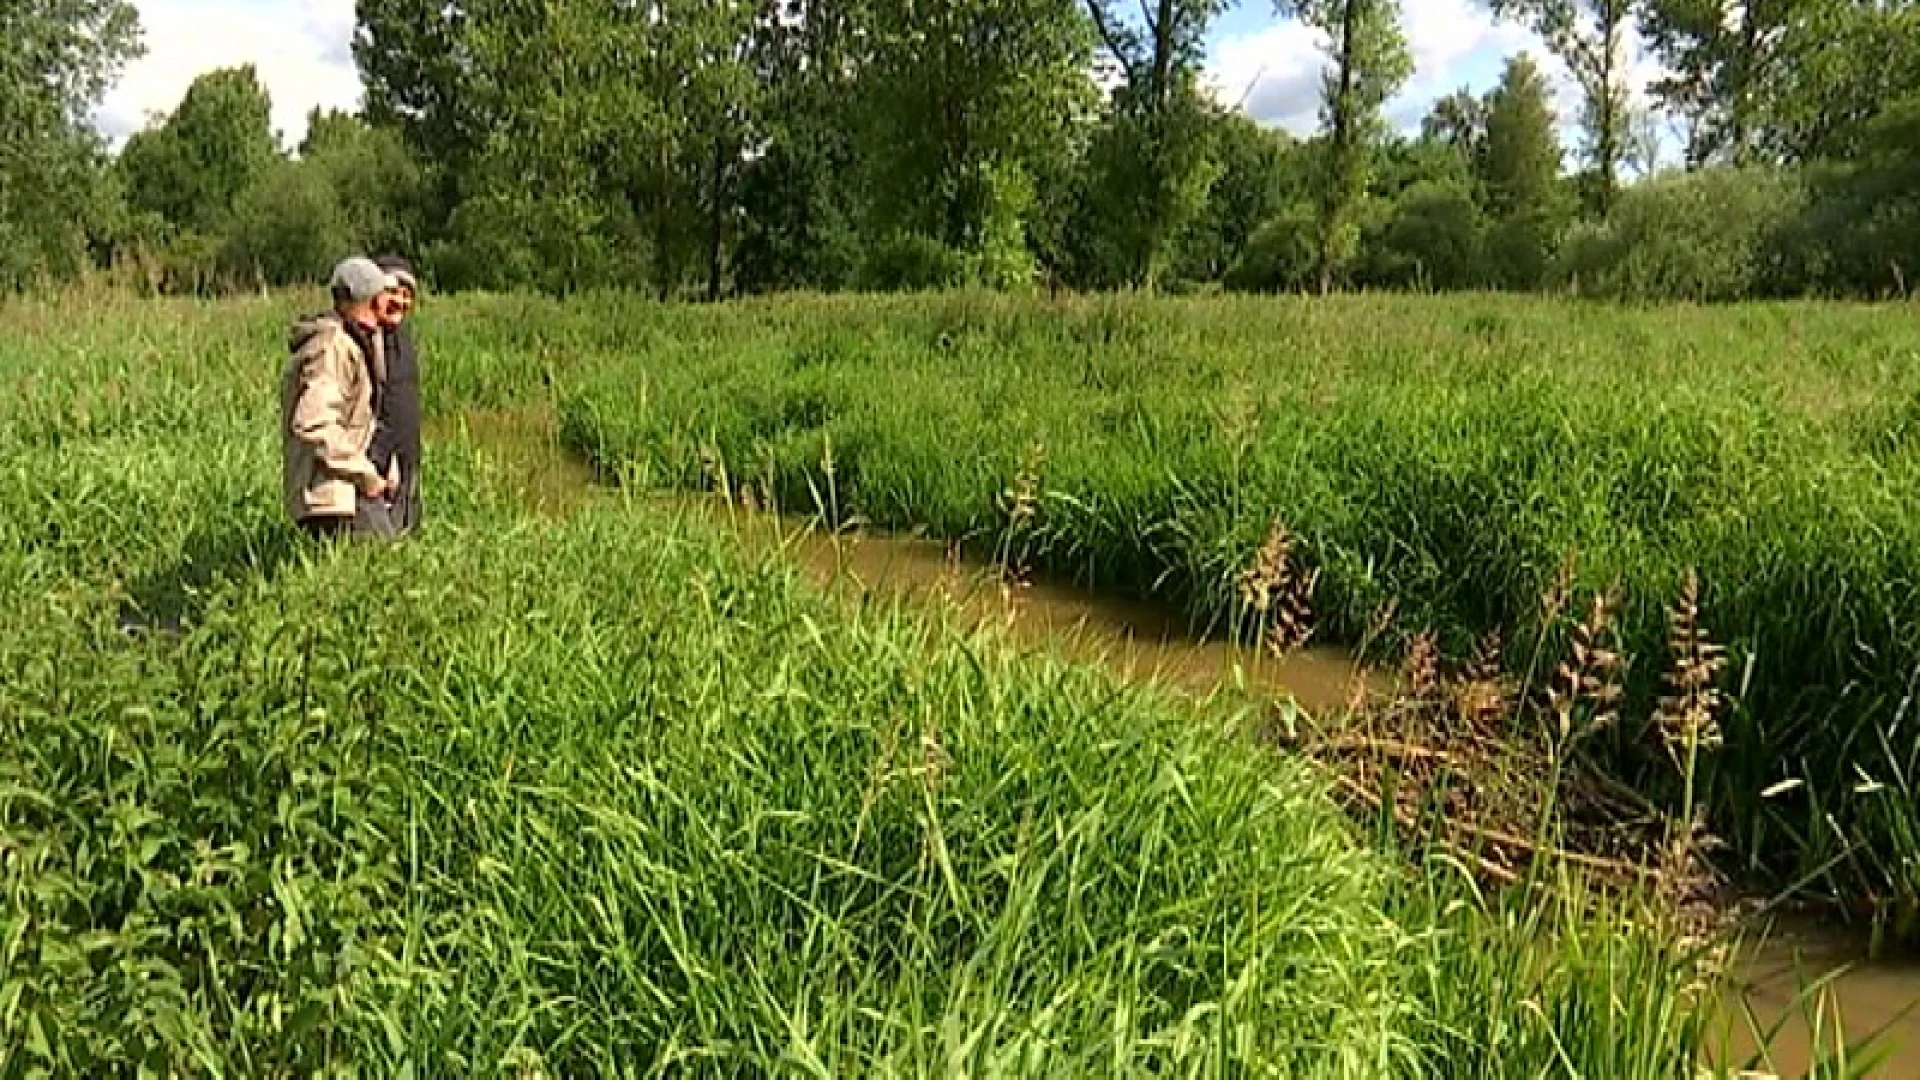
[301,48]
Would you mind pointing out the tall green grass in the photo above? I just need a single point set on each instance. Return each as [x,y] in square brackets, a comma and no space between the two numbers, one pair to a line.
[609,796]
[1440,458]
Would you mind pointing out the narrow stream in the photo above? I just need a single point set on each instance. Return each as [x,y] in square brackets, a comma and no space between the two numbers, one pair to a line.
[1851,998]
[1854,993]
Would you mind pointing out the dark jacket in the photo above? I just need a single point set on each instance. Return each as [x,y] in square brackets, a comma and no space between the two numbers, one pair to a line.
[396,435]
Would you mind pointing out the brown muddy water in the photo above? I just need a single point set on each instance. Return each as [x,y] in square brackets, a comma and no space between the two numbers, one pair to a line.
[1140,641]
[1808,988]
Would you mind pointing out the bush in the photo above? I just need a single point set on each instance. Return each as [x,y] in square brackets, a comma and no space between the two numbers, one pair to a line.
[1281,256]
[911,262]
[1861,235]
[1708,237]
[1433,237]
[287,229]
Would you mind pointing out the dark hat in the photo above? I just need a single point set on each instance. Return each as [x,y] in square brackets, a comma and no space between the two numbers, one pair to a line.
[401,269]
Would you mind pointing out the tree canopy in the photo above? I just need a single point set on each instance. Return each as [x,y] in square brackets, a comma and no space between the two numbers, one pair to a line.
[712,147]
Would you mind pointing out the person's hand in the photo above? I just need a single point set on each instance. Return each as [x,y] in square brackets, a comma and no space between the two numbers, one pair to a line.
[375,488]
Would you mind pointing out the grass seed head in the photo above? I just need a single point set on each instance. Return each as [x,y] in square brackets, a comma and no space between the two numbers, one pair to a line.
[1585,693]
[1023,498]
[1688,715]
[1422,669]
[1278,592]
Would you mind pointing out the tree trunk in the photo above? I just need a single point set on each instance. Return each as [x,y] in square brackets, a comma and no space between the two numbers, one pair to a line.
[1341,165]
[1746,67]
[1607,142]
[716,236]
[1163,42]
[662,229]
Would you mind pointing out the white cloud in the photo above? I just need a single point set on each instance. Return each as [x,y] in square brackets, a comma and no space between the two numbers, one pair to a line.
[1273,73]
[301,48]
[1455,43]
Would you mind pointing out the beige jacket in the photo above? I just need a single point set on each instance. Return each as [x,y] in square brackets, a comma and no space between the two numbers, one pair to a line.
[326,419]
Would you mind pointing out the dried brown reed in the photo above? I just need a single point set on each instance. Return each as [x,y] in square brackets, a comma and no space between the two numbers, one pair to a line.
[1278,593]
[1584,694]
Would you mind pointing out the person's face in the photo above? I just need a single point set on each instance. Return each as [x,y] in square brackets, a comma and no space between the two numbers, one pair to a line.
[395,305]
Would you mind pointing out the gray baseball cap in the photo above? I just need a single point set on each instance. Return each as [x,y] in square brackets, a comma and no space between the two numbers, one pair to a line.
[359,280]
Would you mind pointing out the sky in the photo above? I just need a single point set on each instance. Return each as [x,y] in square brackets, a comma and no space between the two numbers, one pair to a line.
[1268,65]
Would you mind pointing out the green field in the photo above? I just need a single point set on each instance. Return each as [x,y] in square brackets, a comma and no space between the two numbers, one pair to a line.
[607,793]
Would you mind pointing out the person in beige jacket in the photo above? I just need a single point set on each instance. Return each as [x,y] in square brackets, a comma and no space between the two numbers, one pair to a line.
[327,410]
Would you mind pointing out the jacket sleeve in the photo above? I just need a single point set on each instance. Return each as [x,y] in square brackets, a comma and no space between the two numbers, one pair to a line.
[317,416]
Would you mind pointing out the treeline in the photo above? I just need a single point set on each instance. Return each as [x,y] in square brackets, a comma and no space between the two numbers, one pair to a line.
[726,146]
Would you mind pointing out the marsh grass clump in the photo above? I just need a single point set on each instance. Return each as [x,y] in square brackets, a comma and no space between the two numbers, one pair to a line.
[953,854]
[1509,779]
[1417,460]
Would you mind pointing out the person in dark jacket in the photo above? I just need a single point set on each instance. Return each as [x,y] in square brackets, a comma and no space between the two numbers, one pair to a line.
[396,450]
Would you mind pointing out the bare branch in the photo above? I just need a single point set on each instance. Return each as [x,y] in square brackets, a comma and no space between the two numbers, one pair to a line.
[1097,8]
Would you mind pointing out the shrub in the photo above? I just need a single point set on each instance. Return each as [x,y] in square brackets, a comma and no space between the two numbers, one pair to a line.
[1706,236]
[287,229]
[911,262]
[1281,256]
[1432,238]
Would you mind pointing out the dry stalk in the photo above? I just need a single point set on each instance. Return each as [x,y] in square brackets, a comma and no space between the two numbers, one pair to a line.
[1022,500]
[1559,592]
[1687,718]
[1585,693]
[1021,505]
[1422,671]
[1482,697]
[1279,593]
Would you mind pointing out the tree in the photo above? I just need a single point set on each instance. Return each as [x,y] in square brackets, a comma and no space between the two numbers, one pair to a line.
[59,58]
[1459,122]
[605,135]
[1520,175]
[1839,67]
[216,145]
[287,228]
[1590,37]
[1257,171]
[1520,170]
[380,186]
[1281,255]
[1145,180]
[1431,239]
[1722,55]
[1862,234]
[798,202]
[1147,167]
[418,68]
[963,102]
[1369,63]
